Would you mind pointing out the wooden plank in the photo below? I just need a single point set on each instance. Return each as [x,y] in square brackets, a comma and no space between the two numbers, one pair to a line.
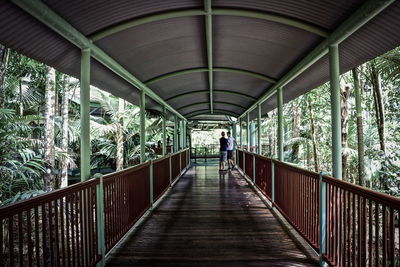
[210,219]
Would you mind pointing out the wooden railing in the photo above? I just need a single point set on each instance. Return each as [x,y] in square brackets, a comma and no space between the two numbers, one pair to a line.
[77,225]
[346,224]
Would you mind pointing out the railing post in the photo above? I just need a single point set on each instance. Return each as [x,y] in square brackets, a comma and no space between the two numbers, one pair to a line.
[100,220]
[151,184]
[180,162]
[170,169]
[273,182]
[322,218]
[244,162]
[254,169]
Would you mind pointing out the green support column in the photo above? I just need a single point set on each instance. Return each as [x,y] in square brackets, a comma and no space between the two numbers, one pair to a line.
[180,135]
[280,124]
[248,131]
[164,132]
[85,115]
[234,134]
[252,134]
[335,112]
[175,133]
[184,134]
[259,145]
[142,126]
[241,133]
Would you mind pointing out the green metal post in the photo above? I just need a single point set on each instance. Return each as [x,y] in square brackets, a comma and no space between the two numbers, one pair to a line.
[164,132]
[248,131]
[234,134]
[142,126]
[151,182]
[184,134]
[85,115]
[322,216]
[335,112]
[252,134]
[241,133]
[259,148]
[175,134]
[280,124]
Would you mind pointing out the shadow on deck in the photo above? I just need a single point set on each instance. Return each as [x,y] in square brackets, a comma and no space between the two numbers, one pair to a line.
[210,219]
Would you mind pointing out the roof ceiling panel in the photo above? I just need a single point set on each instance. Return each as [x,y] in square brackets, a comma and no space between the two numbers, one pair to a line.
[157,48]
[92,16]
[188,99]
[220,96]
[326,14]
[261,46]
[240,83]
[192,109]
[180,84]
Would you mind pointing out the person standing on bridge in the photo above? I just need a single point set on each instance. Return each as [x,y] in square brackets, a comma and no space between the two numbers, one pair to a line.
[223,147]
[231,145]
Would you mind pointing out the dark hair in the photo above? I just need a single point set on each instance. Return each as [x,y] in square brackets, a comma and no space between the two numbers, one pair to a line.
[228,132]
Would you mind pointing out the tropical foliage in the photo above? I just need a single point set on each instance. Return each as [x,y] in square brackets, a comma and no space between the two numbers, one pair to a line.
[379,84]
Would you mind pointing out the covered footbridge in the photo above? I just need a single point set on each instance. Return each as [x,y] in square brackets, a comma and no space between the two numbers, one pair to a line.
[194,60]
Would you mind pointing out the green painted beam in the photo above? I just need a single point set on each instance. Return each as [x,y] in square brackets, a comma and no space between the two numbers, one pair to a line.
[219,11]
[209,49]
[215,102]
[85,115]
[360,17]
[215,92]
[217,111]
[47,16]
[215,69]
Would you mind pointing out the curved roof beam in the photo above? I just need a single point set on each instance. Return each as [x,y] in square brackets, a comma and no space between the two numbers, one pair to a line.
[207,112]
[215,11]
[215,102]
[194,70]
[215,91]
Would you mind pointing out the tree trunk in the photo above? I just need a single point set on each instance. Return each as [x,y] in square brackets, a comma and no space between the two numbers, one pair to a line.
[120,136]
[360,131]
[65,93]
[21,105]
[296,129]
[313,135]
[378,101]
[49,114]
[344,106]
[4,55]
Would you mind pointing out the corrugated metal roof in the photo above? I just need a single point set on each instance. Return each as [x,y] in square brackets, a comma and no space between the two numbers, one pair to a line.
[161,47]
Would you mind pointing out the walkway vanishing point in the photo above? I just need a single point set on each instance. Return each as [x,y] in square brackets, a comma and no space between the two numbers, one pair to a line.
[210,219]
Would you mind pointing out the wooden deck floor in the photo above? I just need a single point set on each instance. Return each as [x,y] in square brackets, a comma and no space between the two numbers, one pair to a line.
[210,219]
